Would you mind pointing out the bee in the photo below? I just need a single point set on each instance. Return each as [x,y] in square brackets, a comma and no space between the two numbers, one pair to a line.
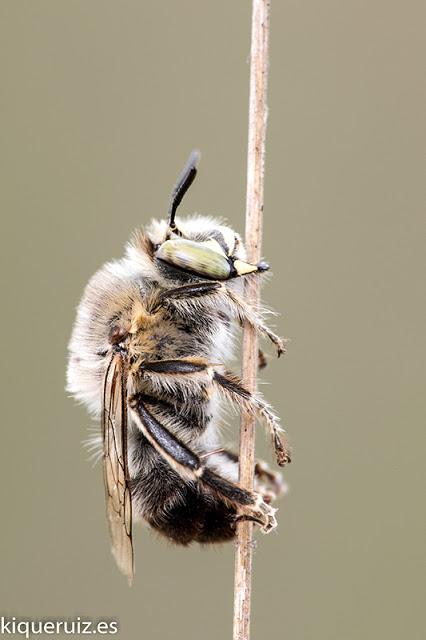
[147,355]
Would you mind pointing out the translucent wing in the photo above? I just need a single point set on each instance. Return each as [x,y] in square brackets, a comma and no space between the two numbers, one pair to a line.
[116,473]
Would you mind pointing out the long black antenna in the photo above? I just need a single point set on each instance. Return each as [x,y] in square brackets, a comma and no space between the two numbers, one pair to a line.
[182,185]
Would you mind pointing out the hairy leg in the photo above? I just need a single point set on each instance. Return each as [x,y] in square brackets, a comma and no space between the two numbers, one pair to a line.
[267,481]
[231,386]
[186,299]
[191,467]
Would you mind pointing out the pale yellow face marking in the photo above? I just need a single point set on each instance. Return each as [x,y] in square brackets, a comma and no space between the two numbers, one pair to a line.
[243,268]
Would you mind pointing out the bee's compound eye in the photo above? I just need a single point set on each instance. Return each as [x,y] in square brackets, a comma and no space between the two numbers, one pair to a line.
[199,257]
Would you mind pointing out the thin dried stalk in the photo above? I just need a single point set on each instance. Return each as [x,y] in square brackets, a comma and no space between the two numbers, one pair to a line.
[254,219]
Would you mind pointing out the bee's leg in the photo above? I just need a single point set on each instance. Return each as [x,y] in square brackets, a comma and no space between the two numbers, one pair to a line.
[270,479]
[178,366]
[245,313]
[191,467]
[181,375]
[270,482]
[262,360]
[230,385]
[233,388]
[185,300]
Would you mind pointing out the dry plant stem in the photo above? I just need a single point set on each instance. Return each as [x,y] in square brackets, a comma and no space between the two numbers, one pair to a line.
[254,215]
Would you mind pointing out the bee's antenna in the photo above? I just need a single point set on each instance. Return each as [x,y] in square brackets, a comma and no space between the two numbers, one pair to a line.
[184,182]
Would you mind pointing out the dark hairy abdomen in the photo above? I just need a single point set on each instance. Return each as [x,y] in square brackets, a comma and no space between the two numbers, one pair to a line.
[175,508]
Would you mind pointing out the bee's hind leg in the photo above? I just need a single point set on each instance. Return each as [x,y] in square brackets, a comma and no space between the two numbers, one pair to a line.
[270,483]
[191,467]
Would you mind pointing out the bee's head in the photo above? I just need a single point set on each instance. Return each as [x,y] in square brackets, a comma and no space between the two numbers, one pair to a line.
[200,245]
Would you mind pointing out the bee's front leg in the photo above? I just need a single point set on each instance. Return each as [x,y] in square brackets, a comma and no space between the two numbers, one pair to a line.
[186,300]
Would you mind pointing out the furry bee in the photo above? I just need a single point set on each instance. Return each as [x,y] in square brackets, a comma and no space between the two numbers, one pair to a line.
[146,356]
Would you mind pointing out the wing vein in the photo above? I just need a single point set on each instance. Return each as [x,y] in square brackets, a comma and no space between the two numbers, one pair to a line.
[116,472]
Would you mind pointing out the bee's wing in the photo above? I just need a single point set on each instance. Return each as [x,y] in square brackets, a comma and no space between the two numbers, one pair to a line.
[116,473]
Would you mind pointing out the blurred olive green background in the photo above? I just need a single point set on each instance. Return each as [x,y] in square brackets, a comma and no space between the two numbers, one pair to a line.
[101,102]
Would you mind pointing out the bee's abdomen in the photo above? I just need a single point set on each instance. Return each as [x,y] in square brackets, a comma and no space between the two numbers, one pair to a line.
[176,508]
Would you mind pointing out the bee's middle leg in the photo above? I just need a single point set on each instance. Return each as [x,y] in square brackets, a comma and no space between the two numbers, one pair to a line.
[231,386]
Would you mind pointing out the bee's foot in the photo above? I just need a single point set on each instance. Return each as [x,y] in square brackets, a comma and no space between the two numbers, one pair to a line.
[260,512]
